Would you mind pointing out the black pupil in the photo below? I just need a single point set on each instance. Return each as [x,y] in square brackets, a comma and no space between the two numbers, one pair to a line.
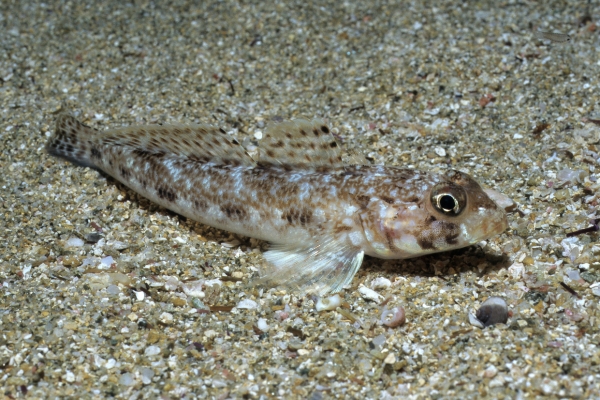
[447,202]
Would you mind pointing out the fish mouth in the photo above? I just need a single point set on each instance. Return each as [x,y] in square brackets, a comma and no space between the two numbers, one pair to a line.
[495,225]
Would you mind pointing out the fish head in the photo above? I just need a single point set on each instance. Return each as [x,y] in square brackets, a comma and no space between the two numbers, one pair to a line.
[452,212]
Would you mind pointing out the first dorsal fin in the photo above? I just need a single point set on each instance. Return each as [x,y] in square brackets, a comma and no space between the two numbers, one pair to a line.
[301,144]
[203,143]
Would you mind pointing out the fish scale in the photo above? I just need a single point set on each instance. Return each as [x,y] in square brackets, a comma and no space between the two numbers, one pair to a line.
[320,214]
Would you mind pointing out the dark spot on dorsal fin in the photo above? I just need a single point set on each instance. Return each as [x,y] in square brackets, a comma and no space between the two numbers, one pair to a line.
[316,131]
[95,152]
[325,129]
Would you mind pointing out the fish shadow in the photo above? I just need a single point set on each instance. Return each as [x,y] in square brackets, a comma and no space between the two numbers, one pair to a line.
[446,265]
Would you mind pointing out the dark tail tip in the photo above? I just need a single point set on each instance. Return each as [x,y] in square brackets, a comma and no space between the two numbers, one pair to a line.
[72,140]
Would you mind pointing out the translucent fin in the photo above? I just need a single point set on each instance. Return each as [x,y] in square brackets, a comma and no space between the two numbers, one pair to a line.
[320,269]
[203,143]
[300,144]
[354,157]
[72,140]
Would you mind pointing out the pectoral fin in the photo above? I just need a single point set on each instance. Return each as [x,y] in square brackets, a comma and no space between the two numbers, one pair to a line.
[323,268]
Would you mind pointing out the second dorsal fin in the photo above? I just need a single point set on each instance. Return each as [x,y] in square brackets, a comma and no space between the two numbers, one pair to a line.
[200,142]
[300,143]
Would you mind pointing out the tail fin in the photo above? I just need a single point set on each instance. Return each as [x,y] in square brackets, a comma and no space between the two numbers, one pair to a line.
[73,141]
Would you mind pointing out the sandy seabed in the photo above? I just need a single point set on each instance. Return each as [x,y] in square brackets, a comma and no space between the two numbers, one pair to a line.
[104,294]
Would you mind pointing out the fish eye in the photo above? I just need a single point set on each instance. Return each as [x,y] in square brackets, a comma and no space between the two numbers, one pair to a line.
[449,199]
[447,203]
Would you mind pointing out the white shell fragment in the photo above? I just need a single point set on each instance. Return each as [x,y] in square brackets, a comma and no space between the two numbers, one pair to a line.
[493,311]
[474,321]
[247,304]
[381,283]
[74,242]
[501,199]
[370,294]
[117,245]
[328,303]
[262,324]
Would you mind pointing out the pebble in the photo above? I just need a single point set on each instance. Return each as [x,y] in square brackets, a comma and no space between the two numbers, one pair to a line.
[493,311]
[393,317]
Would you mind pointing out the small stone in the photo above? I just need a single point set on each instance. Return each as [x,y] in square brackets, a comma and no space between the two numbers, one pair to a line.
[262,325]
[152,351]
[166,318]
[113,290]
[178,301]
[74,242]
[117,244]
[379,340]
[127,379]
[153,337]
[328,303]
[381,283]
[107,261]
[193,288]
[440,151]
[390,359]
[210,334]
[147,375]
[93,237]
[171,283]
[70,377]
[493,311]
[490,372]
[247,304]
[369,294]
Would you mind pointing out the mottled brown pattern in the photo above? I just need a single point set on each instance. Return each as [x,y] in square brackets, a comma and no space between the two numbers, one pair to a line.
[305,199]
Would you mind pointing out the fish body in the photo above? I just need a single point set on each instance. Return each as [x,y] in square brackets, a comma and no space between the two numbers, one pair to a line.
[320,213]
